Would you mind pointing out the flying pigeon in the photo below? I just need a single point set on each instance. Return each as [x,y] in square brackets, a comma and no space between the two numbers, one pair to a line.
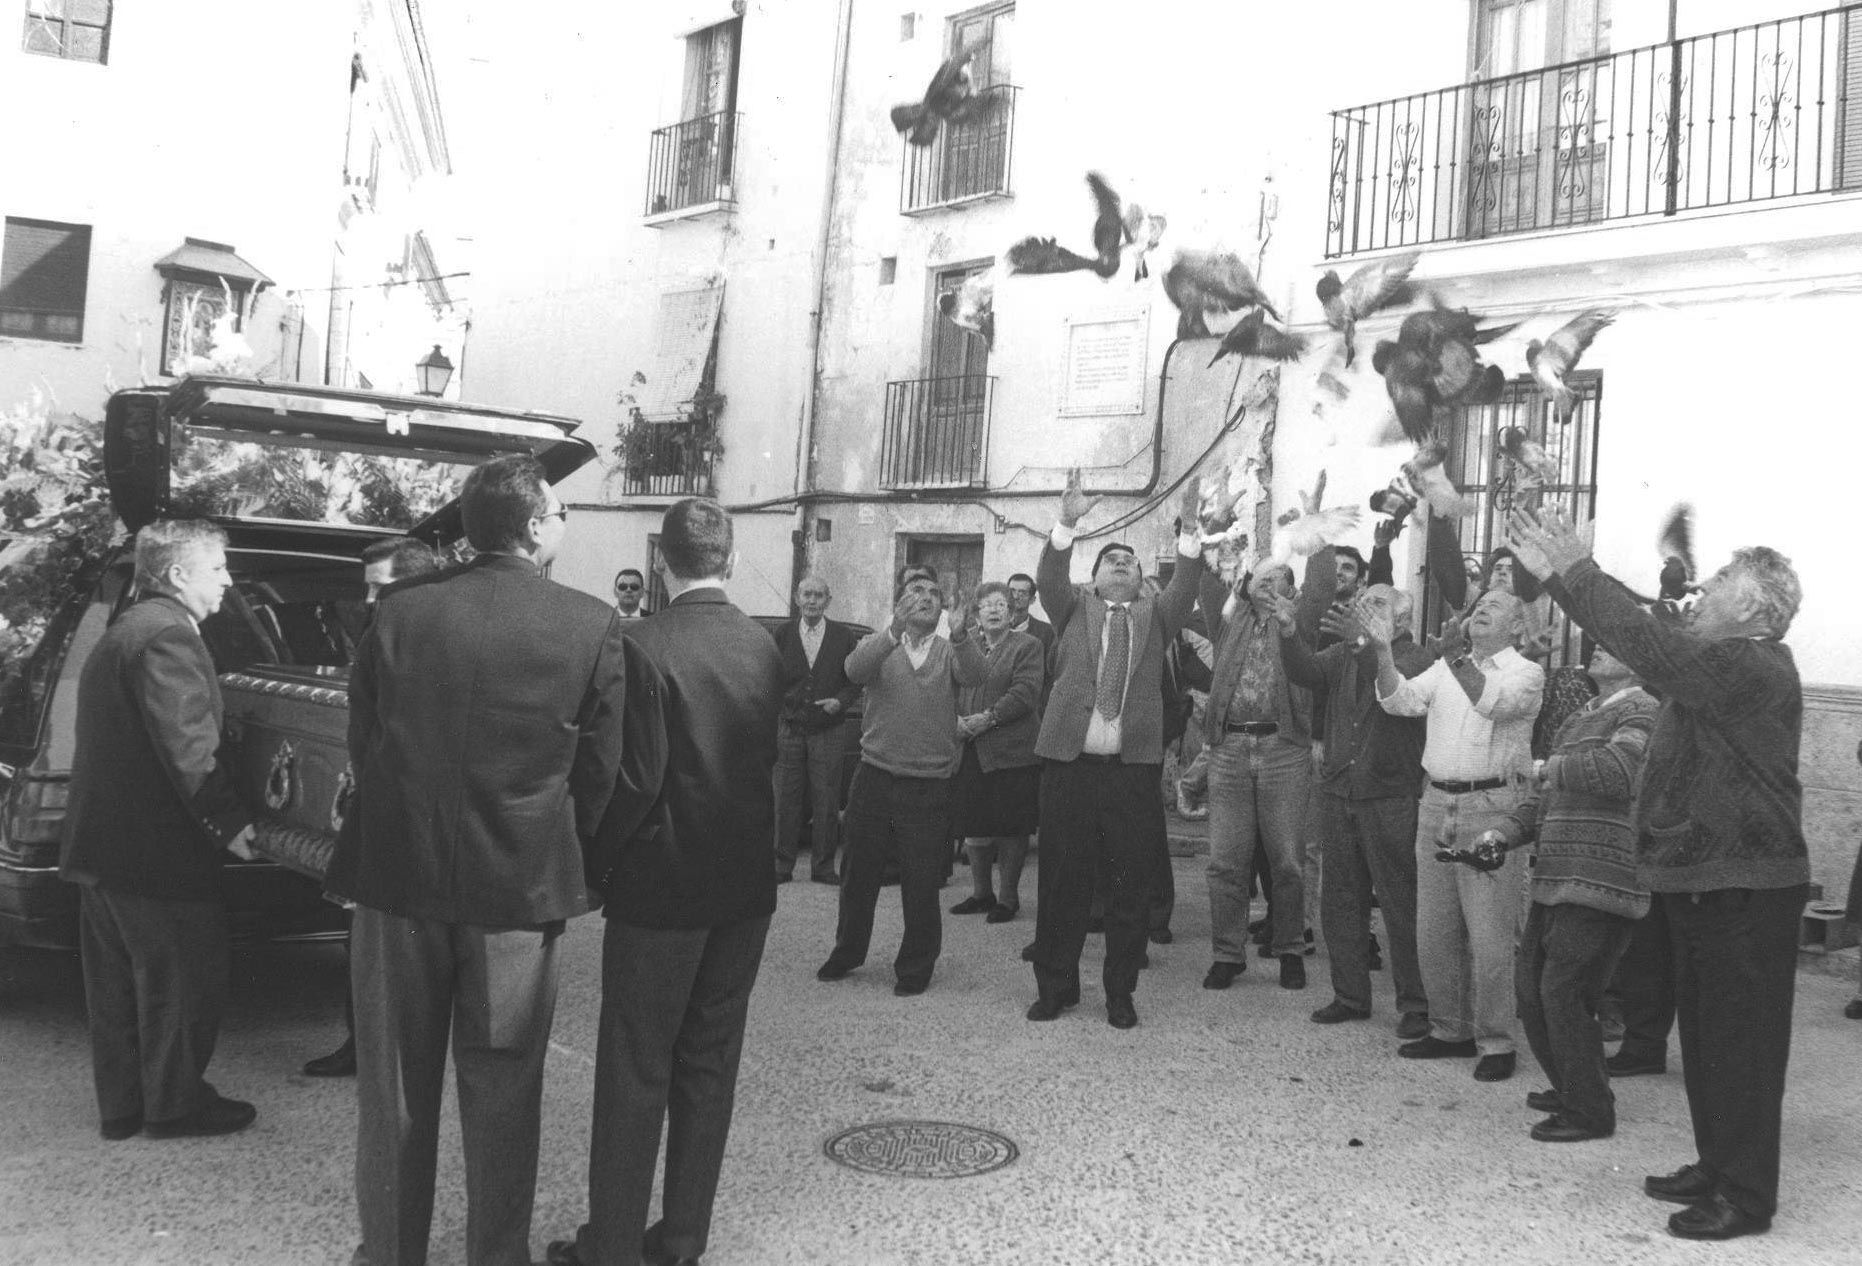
[1252,336]
[1677,547]
[1380,284]
[950,98]
[1143,232]
[972,305]
[1551,360]
[1308,529]
[1199,282]
[1529,455]
[1044,255]
[1426,476]
[1435,362]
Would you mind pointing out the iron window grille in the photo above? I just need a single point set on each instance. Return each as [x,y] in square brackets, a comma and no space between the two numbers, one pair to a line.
[936,432]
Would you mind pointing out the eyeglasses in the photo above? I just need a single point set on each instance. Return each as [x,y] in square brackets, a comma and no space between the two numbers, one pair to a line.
[627,588]
[560,512]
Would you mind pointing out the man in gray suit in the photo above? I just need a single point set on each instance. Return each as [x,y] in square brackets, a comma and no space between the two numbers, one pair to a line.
[1102,738]
[485,713]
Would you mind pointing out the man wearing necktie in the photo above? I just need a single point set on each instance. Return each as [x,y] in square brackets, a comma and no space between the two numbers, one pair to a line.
[1101,743]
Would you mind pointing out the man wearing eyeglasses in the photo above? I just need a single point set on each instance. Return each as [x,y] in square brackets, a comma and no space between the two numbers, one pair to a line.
[630,589]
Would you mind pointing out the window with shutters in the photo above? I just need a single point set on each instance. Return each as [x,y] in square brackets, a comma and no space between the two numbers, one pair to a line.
[44,267]
[76,30]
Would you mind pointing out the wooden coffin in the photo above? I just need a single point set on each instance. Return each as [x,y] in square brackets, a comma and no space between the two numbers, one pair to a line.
[287,734]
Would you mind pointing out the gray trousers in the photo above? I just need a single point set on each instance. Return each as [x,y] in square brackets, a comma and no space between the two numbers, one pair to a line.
[673,1005]
[155,975]
[493,991]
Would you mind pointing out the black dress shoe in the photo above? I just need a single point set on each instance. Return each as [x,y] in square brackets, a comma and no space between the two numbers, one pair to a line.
[1162,936]
[1028,952]
[1625,1064]
[118,1128]
[1715,1218]
[562,1253]
[1686,1185]
[1853,1011]
[828,877]
[1002,913]
[216,1116]
[782,878]
[1433,1047]
[1049,1005]
[340,1062]
[1144,959]
[1336,1012]
[1559,1128]
[974,905]
[832,970]
[1120,1014]
[1546,1101]
[910,988]
[1222,975]
[1495,1067]
[1292,971]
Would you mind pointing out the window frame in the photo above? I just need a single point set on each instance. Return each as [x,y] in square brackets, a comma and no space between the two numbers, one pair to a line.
[83,282]
[65,24]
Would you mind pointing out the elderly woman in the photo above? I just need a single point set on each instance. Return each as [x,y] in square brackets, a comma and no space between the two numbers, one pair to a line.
[996,800]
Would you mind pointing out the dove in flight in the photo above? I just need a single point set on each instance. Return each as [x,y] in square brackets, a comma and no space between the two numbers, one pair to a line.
[950,98]
[1308,529]
[1044,255]
[972,305]
[1558,355]
[1425,474]
[1252,336]
[1199,282]
[1143,231]
[1380,284]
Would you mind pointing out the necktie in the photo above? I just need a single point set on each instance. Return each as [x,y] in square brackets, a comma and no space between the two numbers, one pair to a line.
[1116,664]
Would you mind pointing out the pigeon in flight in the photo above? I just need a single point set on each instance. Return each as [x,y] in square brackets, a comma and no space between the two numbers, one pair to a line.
[1380,284]
[1308,529]
[1045,255]
[972,305]
[1557,356]
[1425,474]
[1677,547]
[1199,282]
[1434,363]
[1529,455]
[1143,231]
[950,98]
[1252,336]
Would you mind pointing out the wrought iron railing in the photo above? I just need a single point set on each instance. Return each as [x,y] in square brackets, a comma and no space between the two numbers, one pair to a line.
[936,432]
[669,459]
[1770,110]
[969,160]
[693,164]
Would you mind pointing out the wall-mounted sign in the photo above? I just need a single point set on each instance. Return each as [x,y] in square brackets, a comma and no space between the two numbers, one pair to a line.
[1103,372]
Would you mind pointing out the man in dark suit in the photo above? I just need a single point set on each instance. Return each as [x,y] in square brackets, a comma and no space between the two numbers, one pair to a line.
[810,741]
[1021,602]
[485,713]
[1102,740]
[151,814]
[630,591]
[689,897]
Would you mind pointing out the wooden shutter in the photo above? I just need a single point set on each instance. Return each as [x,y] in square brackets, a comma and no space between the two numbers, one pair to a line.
[44,269]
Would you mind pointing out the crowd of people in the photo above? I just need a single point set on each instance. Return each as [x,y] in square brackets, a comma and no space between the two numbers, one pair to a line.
[521,750]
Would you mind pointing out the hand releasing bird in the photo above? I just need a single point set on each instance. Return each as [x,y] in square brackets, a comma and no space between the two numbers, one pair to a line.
[1219,512]
[1551,360]
[1143,232]
[1380,284]
[950,98]
[1395,500]
[972,306]
[1529,455]
[1252,336]
[1677,547]
[1044,255]
[1307,530]
[1435,362]
[1200,282]
[1425,474]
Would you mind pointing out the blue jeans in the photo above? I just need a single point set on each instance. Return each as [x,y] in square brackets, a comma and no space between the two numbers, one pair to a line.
[1258,784]
[1467,920]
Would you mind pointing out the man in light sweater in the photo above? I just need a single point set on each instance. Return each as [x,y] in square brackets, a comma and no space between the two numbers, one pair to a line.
[901,792]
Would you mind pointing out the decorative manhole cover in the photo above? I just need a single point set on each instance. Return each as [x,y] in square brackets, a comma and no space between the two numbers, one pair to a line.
[921,1149]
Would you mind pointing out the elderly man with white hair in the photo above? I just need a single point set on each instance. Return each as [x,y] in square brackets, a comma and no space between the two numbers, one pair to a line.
[1366,804]
[1719,843]
[1480,701]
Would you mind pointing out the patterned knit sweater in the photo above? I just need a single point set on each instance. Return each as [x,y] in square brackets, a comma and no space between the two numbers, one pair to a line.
[1582,814]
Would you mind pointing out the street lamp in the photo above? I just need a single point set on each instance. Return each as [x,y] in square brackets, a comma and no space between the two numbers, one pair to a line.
[434,371]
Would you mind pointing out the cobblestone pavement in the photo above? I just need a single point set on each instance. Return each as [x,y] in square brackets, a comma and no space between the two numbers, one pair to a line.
[1225,1128]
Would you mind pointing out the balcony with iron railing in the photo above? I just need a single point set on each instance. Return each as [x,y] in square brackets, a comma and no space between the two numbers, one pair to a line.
[936,432]
[691,168]
[669,459]
[969,161]
[1758,113]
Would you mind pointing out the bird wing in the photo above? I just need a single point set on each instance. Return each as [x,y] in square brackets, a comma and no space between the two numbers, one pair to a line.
[905,117]
[1456,364]
[1278,344]
[1677,539]
[1571,339]
[1379,284]
[1108,222]
[1044,255]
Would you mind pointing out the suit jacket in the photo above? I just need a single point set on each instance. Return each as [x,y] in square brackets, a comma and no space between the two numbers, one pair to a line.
[802,685]
[151,806]
[1042,631]
[1079,623]
[1012,689]
[1369,753]
[700,858]
[485,728]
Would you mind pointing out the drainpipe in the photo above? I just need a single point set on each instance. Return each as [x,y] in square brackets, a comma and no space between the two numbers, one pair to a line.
[805,441]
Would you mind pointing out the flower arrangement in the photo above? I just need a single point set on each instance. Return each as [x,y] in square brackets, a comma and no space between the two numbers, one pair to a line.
[676,457]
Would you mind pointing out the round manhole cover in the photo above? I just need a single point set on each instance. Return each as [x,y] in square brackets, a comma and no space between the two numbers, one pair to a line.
[921,1149]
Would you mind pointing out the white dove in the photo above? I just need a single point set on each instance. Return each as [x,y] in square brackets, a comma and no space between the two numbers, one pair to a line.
[1425,474]
[1309,529]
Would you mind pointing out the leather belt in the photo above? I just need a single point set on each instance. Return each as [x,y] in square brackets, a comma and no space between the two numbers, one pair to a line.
[1454,787]
[1094,758]
[1251,727]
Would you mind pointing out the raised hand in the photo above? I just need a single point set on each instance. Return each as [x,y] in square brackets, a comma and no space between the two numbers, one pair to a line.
[1286,614]
[1386,531]
[1452,640]
[1376,622]
[1546,542]
[1074,503]
[1341,621]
